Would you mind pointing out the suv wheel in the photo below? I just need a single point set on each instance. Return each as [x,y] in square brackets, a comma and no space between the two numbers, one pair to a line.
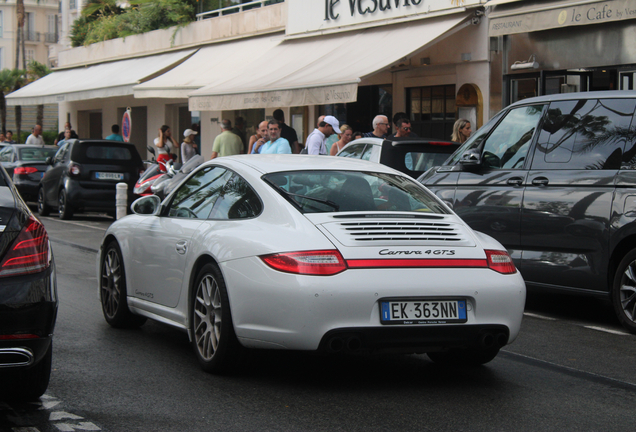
[624,291]
[63,207]
[43,208]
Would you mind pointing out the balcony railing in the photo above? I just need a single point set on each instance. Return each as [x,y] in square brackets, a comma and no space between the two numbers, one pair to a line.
[50,37]
[236,8]
[31,36]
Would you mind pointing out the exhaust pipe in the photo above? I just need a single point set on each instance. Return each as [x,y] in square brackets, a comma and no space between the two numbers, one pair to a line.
[354,343]
[487,340]
[335,344]
[502,339]
[12,357]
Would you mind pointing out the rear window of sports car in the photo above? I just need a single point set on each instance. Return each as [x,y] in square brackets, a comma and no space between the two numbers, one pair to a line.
[342,191]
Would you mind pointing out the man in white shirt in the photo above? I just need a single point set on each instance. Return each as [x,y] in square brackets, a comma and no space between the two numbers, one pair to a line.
[36,136]
[316,140]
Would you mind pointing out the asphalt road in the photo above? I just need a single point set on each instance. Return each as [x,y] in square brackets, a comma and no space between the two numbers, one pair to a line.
[570,369]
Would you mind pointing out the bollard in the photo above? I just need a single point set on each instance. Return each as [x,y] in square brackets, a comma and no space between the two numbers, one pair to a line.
[121,200]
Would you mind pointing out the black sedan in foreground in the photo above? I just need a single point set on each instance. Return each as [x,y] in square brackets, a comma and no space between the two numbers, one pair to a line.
[26,165]
[28,298]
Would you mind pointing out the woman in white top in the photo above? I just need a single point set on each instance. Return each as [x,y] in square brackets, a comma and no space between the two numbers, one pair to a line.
[165,147]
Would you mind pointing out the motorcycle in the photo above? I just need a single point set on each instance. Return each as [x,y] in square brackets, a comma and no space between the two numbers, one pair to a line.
[154,171]
[175,173]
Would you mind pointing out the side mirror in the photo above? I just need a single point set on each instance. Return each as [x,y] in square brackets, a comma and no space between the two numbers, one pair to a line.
[49,160]
[471,158]
[147,206]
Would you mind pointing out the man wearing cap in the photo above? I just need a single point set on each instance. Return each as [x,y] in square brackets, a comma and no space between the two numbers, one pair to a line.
[188,147]
[315,144]
[276,143]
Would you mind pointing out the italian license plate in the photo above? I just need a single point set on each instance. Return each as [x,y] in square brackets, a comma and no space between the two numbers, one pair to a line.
[423,311]
[109,176]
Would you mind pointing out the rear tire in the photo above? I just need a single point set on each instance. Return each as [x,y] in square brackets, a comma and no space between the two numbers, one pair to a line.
[43,208]
[63,207]
[464,357]
[213,338]
[31,383]
[624,292]
[112,290]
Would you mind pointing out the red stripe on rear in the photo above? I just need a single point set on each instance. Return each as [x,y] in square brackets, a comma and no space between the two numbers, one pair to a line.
[416,263]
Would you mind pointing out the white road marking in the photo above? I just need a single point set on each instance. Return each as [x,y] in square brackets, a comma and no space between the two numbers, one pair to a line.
[80,426]
[543,317]
[47,405]
[606,330]
[59,415]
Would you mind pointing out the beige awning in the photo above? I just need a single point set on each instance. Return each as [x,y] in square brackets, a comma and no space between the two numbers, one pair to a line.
[99,81]
[531,16]
[320,70]
[210,65]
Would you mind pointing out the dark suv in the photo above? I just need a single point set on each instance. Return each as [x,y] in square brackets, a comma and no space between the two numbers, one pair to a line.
[553,179]
[83,176]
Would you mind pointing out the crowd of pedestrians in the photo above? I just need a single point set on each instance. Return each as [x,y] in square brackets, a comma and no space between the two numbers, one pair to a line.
[328,137]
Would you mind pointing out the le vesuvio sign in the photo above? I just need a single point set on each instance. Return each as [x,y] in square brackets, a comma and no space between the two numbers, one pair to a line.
[559,15]
[308,16]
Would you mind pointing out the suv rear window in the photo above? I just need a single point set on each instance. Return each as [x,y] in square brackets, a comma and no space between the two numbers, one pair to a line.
[91,152]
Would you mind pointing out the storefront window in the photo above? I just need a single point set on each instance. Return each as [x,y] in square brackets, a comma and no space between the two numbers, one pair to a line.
[522,88]
[432,110]
[371,101]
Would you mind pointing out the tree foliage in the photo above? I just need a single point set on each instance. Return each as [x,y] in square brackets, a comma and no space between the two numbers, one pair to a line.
[103,20]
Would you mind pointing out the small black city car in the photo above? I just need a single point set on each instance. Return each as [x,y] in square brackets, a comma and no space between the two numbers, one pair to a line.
[26,165]
[28,298]
[83,175]
[553,178]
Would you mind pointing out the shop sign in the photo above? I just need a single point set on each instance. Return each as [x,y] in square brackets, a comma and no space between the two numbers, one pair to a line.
[308,16]
[343,93]
[562,16]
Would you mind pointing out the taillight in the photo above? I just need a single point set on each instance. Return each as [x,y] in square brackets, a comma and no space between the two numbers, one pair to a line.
[30,252]
[74,169]
[500,261]
[317,263]
[24,170]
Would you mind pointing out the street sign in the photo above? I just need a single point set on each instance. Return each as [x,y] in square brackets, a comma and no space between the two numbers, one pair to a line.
[126,125]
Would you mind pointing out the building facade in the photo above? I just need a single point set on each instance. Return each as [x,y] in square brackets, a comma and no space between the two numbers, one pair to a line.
[429,59]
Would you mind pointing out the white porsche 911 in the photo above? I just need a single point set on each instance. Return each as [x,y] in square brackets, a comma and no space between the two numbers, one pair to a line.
[310,253]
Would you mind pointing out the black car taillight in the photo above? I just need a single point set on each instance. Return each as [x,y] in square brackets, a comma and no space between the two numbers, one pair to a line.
[30,252]
[74,169]
[25,170]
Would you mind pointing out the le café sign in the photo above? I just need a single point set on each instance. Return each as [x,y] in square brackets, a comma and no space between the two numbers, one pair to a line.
[309,16]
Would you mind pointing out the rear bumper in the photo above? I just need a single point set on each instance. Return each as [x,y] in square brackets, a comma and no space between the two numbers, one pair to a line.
[28,306]
[97,198]
[414,339]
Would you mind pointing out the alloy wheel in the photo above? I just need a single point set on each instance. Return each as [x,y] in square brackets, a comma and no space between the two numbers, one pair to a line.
[207,317]
[111,283]
[627,292]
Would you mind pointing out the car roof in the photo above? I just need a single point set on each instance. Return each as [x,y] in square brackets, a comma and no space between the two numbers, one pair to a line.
[608,94]
[290,162]
[26,146]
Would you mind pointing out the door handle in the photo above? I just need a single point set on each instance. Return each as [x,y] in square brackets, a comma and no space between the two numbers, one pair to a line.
[540,181]
[181,247]
[515,181]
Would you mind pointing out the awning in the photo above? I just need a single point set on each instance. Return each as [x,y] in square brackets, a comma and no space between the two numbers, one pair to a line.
[320,70]
[212,64]
[99,81]
[531,16]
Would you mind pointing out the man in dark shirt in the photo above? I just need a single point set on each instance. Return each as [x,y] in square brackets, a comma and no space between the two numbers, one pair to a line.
[60,136]
[287,132]
[381,127]
[401,116]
